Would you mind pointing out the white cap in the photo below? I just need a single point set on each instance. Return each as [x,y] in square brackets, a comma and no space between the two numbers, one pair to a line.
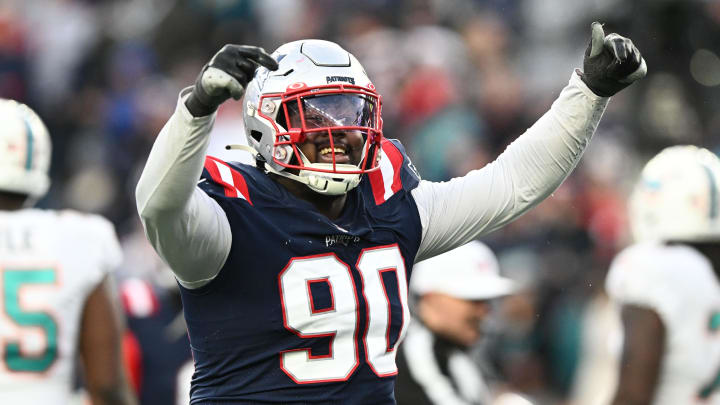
[469,272]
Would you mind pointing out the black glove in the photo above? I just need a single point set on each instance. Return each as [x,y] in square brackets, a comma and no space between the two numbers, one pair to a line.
[226,75]
[611,63]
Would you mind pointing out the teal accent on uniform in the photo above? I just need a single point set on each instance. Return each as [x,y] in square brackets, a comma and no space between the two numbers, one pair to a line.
[30,140]
[653,184]
[710,388]
[713,193]
[15,360]
[714,322]
[713,385]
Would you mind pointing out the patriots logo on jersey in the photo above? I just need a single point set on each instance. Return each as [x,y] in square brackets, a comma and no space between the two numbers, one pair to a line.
[332,240]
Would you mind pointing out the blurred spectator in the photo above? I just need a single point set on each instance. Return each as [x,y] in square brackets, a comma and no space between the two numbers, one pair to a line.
[13,55]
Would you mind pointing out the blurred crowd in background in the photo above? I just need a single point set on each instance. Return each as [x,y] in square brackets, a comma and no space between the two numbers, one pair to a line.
[460,79]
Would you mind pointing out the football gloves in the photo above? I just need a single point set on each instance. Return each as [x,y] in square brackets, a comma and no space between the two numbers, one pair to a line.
[611,63]
[226,75]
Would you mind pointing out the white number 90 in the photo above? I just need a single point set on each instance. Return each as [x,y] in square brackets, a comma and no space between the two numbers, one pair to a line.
[340,321]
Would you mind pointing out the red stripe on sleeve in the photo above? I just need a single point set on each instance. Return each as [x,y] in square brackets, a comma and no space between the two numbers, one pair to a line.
[378,186]
[212,168]
[240,184]
[396,159]
[393,162]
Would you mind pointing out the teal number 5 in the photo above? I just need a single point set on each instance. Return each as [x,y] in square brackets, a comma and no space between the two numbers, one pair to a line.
[713,385]
[15,360]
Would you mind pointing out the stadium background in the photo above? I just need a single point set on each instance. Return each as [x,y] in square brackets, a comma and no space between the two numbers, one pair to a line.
[460,79]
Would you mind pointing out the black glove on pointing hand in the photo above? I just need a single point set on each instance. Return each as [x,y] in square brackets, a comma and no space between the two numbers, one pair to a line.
[611,63]
[226,75]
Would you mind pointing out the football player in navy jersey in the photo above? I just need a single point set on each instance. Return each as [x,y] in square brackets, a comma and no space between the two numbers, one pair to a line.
[294,272]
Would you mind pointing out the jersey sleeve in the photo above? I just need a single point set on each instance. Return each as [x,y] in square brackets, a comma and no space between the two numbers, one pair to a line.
[455,212]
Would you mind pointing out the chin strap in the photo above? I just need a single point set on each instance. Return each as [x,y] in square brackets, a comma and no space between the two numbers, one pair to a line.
[320,182]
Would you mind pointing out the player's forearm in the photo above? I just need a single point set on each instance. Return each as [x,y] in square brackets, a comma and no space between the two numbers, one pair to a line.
[530,169]
[185,226]
[175,163]
[540,160]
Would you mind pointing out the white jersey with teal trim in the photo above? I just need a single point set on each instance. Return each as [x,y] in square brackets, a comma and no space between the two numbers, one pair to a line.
[679,284]
[50,261]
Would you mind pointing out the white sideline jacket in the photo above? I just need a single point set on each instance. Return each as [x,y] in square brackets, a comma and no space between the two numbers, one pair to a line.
[191,232]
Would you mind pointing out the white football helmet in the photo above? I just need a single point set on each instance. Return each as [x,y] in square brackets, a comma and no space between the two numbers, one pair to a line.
[25,150]
[676,197]
[318,88]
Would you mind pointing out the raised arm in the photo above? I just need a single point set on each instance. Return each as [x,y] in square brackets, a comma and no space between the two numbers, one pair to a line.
[534,165]
[186,227]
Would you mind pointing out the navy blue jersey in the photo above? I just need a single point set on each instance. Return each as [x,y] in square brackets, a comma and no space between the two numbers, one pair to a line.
[305,309]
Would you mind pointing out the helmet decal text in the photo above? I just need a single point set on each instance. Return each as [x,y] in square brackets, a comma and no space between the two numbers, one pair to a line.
[335,79]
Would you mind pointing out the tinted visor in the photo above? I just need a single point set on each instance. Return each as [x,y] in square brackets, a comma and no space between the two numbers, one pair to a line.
[333,110]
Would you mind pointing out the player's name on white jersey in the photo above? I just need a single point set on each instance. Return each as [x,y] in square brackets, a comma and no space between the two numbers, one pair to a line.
[15,239]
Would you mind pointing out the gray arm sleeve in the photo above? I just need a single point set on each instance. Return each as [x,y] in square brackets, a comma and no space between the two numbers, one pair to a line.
[455,212]
[187,228]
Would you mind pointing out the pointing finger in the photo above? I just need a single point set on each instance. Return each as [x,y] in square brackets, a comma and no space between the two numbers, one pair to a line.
[259,56]
[598,39]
